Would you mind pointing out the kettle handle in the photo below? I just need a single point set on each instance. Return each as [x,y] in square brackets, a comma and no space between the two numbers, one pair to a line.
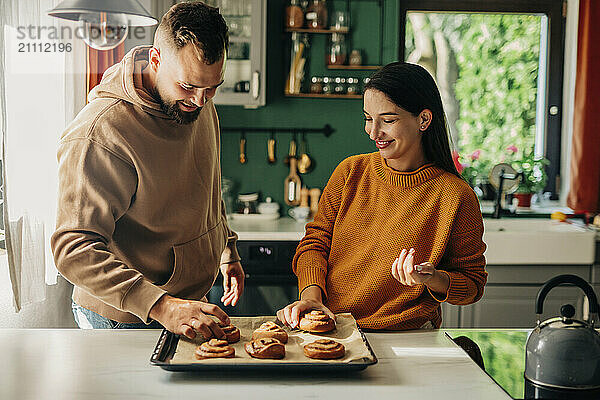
[567,278]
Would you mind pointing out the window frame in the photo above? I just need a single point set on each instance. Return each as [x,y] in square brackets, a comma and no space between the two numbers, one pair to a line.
[555,10]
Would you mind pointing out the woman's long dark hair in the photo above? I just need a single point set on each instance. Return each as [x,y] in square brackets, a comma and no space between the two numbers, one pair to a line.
[410,87]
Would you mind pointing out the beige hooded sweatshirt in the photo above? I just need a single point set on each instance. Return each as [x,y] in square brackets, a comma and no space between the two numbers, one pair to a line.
[139,209]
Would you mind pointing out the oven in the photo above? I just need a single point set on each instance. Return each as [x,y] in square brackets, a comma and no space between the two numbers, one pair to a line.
[270,282]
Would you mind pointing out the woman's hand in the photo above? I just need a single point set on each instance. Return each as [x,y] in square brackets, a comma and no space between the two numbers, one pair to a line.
[407,273]
[311,299]
[404,270]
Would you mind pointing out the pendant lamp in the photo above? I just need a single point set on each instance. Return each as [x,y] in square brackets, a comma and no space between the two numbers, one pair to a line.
[104,24]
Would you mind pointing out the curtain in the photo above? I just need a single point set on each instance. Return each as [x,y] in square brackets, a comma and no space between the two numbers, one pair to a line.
[98,61]
[40,93]
[584,192]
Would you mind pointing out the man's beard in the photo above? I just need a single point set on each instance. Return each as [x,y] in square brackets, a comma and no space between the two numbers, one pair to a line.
[172,110]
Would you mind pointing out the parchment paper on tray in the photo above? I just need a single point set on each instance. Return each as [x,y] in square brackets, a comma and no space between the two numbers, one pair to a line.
[346,333]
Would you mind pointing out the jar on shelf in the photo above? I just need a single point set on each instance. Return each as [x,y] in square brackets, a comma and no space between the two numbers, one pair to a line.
[294,16]
[355,57]
[327,85]
[247,203]
[339,86]
[316,84]
[337,50]
[298,63]
[316,15]
[339,21]
[352,86]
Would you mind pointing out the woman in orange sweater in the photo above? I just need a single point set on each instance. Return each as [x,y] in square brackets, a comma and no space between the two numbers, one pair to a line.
[397,231]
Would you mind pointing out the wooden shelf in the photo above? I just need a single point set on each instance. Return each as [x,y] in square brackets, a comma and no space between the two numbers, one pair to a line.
[355,67]
[326,96]
[307,30]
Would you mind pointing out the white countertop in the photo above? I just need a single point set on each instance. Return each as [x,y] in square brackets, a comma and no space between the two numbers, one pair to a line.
[40,364]
[278,229]
[524,241]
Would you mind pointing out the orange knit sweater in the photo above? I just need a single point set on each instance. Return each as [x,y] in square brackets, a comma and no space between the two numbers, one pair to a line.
[367,214]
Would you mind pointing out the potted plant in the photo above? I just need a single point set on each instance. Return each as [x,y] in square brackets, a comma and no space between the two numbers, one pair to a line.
[533,175]
[470,171]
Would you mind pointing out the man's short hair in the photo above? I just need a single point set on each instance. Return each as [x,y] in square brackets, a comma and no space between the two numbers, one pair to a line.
[194,23]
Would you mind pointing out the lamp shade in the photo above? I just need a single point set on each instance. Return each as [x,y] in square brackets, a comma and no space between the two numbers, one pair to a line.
[136,13]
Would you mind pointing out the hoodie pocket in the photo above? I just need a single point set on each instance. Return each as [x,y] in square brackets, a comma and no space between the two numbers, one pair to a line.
[196,264]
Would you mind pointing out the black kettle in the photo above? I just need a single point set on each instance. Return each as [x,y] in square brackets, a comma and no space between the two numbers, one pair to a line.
[562,359]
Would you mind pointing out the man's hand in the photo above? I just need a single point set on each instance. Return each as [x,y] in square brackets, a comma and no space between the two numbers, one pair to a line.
[186,317]
[233,282]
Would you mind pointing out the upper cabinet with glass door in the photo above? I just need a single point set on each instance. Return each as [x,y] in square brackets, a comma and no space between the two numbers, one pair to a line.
[245,72]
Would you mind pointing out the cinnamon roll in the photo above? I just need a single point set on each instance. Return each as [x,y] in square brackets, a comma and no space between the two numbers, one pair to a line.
[316,321]
[232,333]
[324,349]
[265,348]
[270,330]
[215,348]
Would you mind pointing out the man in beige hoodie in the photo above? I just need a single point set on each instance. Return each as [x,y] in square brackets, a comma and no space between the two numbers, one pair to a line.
[141,227]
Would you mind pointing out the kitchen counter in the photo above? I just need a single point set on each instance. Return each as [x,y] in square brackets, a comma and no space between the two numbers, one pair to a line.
[285,228]
[518,241]
[100,364]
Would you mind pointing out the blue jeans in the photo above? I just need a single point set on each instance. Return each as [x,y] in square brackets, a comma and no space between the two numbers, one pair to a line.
[87,319]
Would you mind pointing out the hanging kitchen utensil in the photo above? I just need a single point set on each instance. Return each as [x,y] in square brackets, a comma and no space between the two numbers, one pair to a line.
[271,158]
[292,150]
[562,357]
[292,185]
[305,163]
[243,148]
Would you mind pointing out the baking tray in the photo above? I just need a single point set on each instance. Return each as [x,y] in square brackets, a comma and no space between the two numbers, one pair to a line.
[167,344]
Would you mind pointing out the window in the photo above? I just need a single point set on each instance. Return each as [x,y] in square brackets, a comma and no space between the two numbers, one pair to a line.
[499,67]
